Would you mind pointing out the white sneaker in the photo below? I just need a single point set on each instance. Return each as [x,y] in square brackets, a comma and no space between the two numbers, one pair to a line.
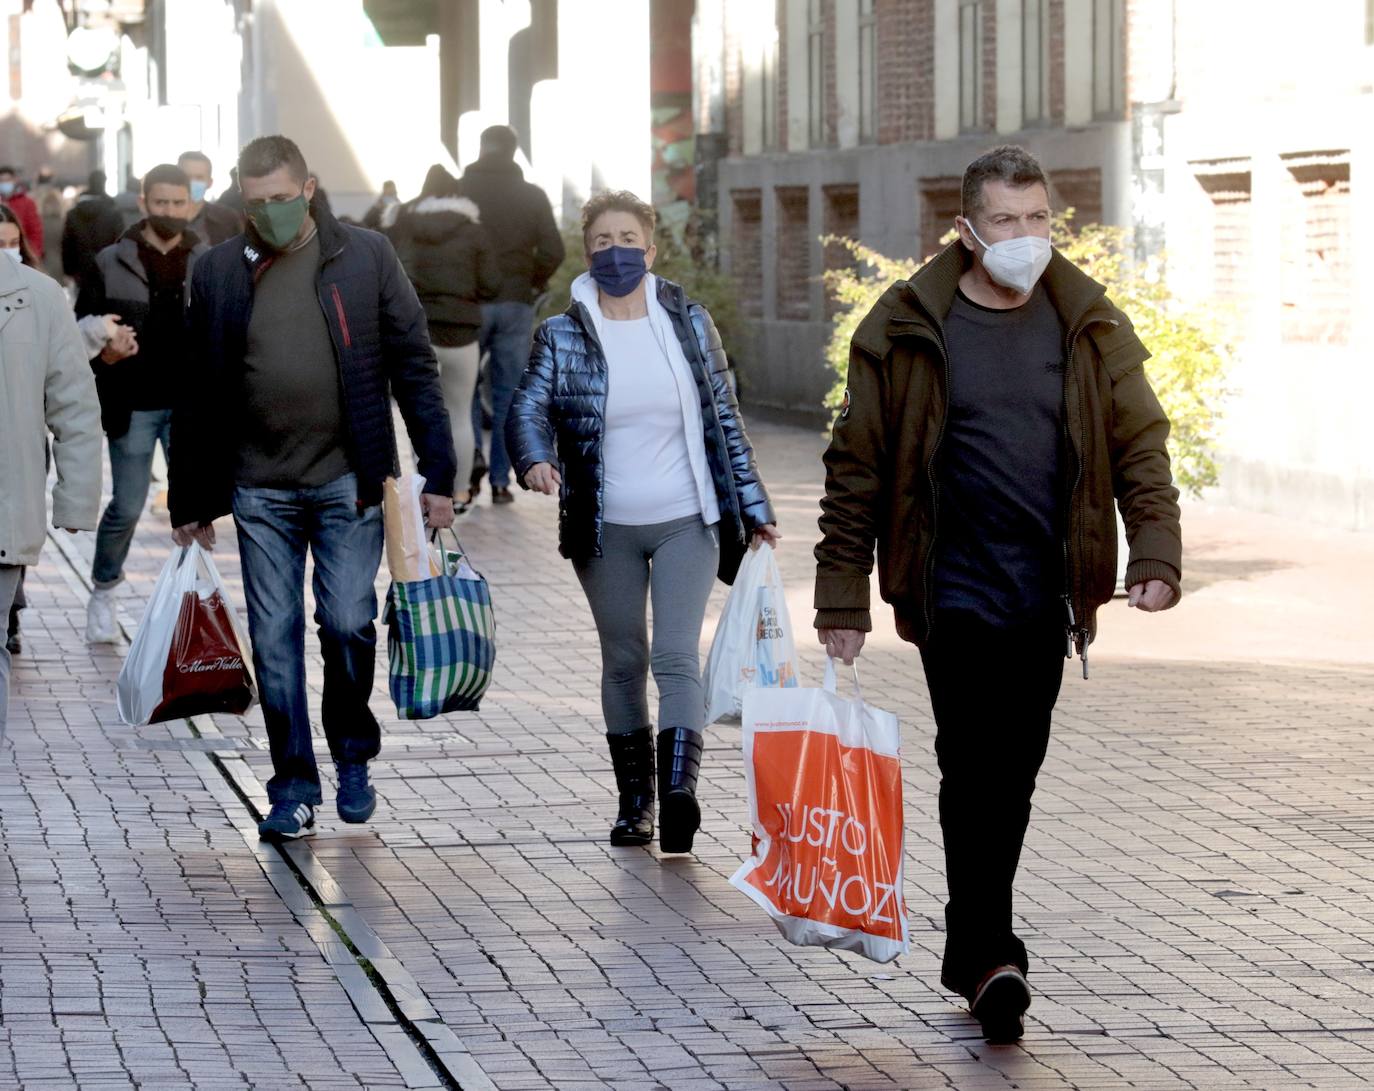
[100,618]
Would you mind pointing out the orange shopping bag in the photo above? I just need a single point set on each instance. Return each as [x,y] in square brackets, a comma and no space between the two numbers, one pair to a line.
[825,796]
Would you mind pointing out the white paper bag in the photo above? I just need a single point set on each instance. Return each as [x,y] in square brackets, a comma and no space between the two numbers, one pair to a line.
[753,643]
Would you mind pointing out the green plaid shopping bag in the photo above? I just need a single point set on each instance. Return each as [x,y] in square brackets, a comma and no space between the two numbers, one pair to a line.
[441,640]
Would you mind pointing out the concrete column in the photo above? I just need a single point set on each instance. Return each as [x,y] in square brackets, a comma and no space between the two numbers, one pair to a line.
[1078,62]
[946,69]
[1010,65]
[798,78]
[847,72]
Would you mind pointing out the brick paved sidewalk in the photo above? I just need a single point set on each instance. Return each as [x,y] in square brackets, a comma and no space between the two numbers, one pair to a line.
[1195,890]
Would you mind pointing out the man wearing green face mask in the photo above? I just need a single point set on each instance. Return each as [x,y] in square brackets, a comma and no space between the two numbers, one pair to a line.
[302,329]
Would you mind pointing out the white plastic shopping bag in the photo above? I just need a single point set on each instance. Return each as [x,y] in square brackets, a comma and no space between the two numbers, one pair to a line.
[825,797]
[190,655]
[753,642]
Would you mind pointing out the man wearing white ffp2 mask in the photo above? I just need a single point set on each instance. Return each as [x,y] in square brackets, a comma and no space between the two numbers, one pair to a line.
[997,409]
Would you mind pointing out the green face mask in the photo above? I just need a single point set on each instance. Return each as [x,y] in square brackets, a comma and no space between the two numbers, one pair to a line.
[279,222]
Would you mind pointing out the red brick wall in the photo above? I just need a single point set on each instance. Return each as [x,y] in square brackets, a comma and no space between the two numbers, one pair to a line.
[939,206]
[1080,190]
[988,111]
[1057,88]
[832,95]
[842,220]
[906,70]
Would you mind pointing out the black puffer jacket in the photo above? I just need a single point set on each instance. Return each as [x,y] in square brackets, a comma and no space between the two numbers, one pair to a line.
[520,224]
[559,415]
[446,254]
[380,344]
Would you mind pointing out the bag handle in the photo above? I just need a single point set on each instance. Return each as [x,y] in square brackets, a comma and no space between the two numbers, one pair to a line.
[830,678]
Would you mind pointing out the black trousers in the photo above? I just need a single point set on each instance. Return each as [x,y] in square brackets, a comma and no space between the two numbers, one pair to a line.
[992,690]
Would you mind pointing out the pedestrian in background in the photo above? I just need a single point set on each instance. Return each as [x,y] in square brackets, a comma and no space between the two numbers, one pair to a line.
[519,222]
[47,389]
[625,412]
[385,201]
[92,224]
[446,253]
[52,209]
[299,338]
[997,411]
[15,197]
[142,277]
[213,223]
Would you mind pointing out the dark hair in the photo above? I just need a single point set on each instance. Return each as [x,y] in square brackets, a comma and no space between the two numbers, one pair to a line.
[1007,163]
[618,200]
[200,157]
[165,174]
[7,216]
[97,182]
[439,183]
[499,140]
[266,154]
[10,170]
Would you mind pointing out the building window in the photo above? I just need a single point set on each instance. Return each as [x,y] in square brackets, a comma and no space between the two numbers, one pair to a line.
[746,250]
[841,221]
[1035,58]
[941,200]
[794,253]
[815,73]
[1316,275]
[970,62]
[868,71]
[1109,93]
[1227,183]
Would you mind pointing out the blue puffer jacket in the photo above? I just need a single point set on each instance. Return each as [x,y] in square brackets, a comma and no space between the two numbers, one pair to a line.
[558,416]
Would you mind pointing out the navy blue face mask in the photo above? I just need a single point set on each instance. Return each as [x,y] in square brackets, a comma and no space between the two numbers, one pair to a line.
[618,269]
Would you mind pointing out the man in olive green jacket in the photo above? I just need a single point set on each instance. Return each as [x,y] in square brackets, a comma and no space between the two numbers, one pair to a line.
[997,411]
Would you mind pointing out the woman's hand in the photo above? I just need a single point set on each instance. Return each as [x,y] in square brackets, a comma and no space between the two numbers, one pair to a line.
[544,477]
[766,533]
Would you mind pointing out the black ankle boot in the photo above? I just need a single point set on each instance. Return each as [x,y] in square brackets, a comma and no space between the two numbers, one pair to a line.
[632,755]
[679,761]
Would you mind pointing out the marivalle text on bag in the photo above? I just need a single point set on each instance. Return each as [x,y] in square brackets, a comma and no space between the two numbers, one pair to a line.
[825,797]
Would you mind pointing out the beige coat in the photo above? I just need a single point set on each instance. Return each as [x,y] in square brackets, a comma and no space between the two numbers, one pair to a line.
[45,386]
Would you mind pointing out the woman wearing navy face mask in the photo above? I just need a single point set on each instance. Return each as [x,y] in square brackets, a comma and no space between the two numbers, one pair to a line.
[625,413]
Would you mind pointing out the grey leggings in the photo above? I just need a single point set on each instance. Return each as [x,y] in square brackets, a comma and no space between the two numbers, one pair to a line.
[675,564]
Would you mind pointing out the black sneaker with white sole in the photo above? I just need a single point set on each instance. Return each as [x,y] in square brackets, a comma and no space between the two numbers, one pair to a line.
[1000,1002]
[287,821]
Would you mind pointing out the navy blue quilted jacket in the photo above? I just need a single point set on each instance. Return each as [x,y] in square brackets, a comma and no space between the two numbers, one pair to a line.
[381,345]
[558,416]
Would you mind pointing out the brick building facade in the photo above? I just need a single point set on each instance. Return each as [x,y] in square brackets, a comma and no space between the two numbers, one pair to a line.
[1239,149]
[857,117]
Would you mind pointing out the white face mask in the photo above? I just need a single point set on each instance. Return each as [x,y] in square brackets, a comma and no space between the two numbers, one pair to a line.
[15,253]
[1015,263]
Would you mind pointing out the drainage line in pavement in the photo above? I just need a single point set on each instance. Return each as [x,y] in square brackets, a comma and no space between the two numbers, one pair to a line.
[417,1038]
[379,983]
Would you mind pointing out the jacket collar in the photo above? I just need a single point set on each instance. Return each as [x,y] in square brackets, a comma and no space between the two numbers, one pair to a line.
[494,164]
[257,255]
[926,298]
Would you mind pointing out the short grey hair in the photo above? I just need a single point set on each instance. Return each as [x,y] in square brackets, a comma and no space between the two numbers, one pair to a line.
[1007,163]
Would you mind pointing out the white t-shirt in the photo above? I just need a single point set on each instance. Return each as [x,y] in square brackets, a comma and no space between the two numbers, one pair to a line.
[648,469]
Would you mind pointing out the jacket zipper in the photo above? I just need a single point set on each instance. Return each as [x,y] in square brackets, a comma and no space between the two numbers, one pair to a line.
[343,318]
[680,302]
[929,567]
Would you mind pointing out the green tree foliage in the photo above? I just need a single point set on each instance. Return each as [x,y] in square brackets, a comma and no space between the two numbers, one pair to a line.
[1190,354]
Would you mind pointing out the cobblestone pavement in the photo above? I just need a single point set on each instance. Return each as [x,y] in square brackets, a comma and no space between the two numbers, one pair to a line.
[1196,888]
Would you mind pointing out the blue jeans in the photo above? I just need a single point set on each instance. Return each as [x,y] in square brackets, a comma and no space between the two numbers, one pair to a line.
[507,328]
[275,527]
[131,471]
